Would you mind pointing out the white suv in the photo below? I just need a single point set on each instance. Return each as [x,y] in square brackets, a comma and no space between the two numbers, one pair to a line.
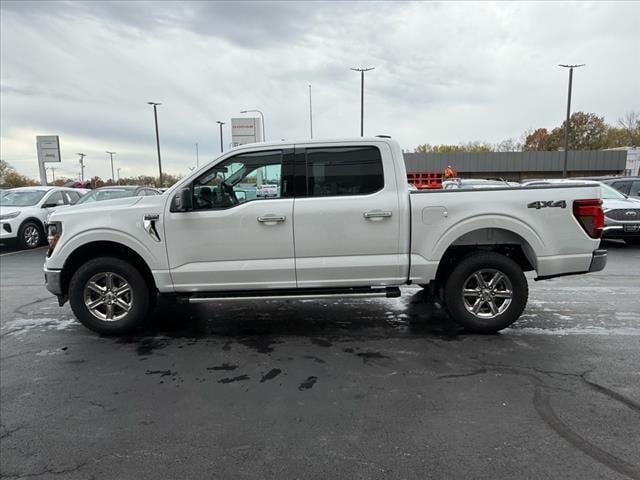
[24,210]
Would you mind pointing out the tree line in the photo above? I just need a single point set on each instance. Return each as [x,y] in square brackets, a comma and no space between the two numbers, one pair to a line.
[587,131]
[10,178]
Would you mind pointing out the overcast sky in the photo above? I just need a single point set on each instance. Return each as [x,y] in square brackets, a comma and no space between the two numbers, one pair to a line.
[444,73]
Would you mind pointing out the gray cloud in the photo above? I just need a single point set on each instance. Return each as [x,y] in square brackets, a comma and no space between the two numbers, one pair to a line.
[445,72]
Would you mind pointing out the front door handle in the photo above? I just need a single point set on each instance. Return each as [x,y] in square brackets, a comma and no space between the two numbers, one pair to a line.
[375,214]
[271,219]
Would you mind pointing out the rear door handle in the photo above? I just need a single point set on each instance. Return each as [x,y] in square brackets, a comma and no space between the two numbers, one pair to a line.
[372,214]
[272,219]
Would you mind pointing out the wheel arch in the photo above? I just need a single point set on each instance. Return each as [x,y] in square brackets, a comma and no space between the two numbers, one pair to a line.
[103,248]
[492,239]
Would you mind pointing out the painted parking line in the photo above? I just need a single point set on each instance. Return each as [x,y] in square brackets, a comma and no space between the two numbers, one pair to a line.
[22,251]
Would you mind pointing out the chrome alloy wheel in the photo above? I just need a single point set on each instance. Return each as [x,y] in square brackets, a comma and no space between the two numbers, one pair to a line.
[31,236]
[108,296]
[487,293]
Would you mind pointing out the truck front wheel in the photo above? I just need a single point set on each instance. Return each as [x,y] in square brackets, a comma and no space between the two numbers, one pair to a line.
[109,296]
[486,292]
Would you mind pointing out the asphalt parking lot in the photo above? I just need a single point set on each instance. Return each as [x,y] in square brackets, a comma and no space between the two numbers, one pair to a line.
[384,388]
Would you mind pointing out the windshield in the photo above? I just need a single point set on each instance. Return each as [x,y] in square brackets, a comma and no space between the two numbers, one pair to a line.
[21,198]
[110,194]
[610,193]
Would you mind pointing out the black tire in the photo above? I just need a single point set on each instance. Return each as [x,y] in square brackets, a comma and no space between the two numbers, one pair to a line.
[30,235]
[486,319]
[122,273]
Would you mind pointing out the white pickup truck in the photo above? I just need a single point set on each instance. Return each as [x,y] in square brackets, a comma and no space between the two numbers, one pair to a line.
[343,223]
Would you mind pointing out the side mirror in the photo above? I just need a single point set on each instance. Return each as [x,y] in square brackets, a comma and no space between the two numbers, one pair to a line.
[49,205]
[183,202]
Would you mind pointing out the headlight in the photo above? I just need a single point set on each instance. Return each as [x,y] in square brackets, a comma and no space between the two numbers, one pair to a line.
[54,230]
[7,216]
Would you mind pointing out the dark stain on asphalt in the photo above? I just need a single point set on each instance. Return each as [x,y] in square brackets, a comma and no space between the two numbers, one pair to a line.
[270,375]
[162,373]
[227,346]
[366,356]
[239,378]
[465,374]
[321,342]
[75,361]
[308,383]
[315,359]
[349,350]
[224,366]
[260,343]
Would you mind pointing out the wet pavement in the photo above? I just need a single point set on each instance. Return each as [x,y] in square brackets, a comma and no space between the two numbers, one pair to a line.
[378,388]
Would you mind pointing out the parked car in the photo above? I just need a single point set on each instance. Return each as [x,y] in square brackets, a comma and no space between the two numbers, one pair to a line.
[630,186]
[621,213]
[122,191]
[356,230]
[23,212]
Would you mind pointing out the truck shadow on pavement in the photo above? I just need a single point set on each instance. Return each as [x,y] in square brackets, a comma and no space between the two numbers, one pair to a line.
[413,314]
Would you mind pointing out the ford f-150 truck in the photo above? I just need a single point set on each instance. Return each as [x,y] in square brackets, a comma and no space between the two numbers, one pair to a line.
[342,223]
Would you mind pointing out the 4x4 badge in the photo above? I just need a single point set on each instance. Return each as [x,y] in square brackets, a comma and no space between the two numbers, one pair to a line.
[548,203]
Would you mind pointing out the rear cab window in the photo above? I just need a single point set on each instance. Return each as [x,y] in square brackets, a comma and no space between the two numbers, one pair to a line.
[343,171]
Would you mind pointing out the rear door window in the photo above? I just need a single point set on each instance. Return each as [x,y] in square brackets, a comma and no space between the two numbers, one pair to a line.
[344,171]
[622,187]
[635,189]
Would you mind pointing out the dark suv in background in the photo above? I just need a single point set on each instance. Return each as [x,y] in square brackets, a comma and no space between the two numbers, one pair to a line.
[630,186]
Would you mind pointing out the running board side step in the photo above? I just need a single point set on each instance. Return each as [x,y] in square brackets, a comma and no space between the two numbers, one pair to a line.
[291,294]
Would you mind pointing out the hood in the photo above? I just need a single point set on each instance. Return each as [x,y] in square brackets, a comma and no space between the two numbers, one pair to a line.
[615,204]
[6,210]
[95,208]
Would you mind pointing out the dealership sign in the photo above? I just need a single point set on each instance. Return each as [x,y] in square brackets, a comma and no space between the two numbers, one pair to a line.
[48,148]
[245,130]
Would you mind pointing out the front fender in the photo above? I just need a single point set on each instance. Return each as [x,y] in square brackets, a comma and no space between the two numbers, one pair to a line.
[156,260]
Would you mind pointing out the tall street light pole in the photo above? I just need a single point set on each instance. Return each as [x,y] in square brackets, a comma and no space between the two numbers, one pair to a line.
[362,70]
[264,137]
[113,177]
[566,125]
[118,170]
[310,114]
[221,144]
[155,117]
[197,157]
[82,155]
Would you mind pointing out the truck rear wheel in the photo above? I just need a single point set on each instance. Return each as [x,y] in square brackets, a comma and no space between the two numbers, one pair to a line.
[486,292]
[109,296]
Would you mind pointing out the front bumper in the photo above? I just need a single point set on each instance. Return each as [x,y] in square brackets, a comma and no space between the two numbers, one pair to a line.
[53,281]
[8,229]
[621,231]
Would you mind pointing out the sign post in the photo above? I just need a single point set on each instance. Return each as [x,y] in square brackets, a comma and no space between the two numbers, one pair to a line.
[48,148]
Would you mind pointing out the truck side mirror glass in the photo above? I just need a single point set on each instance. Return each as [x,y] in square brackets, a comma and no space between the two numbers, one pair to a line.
[182,202]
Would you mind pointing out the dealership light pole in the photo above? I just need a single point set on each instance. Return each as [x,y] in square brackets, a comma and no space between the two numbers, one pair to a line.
[362,70]
[221,144]
[82,155]
[118,170]
[566,125]
[155,117]
[113,177]
[310,114]
[197,157]
[264,137]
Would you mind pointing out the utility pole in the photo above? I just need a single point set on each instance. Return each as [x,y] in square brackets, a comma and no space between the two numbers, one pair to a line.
[221,144]
[155,117]
[197,157]
[566,125]
[362,70]
[310,114]
[82,155]
[118,169]
[113,177]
